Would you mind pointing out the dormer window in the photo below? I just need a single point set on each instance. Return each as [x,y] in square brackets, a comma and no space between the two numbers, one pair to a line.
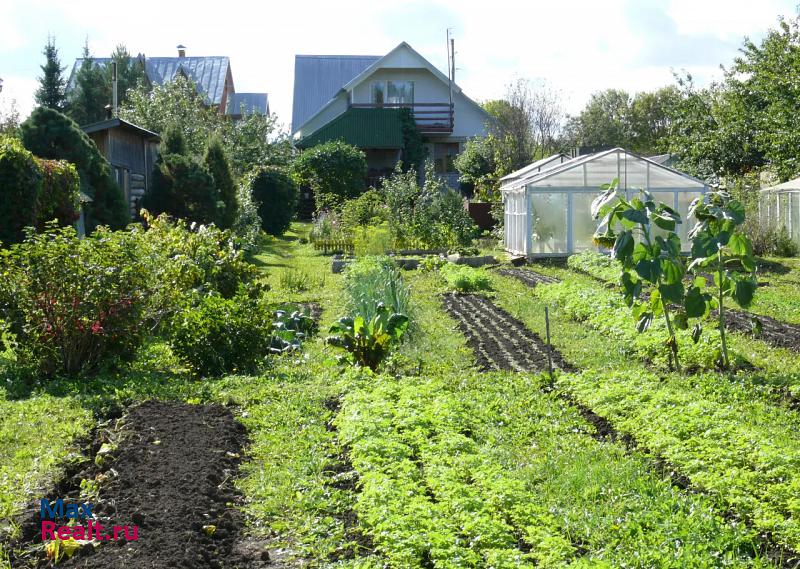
[392,92]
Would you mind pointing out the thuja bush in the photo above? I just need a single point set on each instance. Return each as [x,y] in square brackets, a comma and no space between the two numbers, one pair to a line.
[75,302]
[20,185]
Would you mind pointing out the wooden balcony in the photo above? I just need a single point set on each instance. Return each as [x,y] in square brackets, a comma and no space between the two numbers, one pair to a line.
[431,118]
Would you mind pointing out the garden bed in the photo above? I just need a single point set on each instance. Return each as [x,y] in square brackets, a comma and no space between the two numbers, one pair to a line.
[172,476]
[500,341]
[530,278]
[773,332]
[339,263]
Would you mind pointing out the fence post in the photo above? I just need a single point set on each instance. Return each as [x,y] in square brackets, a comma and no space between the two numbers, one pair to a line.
[549,347]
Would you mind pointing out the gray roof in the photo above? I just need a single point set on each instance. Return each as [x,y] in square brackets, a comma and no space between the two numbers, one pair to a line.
[538,166]
[208,73]
[318,78]
[251,103]
[120,123]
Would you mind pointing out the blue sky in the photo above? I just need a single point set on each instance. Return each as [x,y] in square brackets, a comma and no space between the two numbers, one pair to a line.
[577,47]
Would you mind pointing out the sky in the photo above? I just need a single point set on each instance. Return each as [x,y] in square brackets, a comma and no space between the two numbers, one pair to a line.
[576,48]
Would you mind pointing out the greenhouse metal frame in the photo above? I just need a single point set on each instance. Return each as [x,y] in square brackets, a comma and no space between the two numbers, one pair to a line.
[548,211]
[779,206]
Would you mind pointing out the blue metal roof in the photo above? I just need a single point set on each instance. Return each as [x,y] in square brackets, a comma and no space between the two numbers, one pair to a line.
[208,73]
[318,78]
[251,103]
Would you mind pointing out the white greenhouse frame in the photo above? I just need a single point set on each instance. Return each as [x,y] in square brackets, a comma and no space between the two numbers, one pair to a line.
[547,209]
[779,206]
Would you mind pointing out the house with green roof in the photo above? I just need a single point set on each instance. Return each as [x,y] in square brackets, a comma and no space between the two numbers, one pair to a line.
[361,100]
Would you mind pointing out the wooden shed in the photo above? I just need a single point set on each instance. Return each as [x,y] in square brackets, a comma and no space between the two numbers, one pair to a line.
[132,152]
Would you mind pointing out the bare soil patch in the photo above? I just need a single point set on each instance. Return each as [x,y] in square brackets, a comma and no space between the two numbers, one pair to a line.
[530,278]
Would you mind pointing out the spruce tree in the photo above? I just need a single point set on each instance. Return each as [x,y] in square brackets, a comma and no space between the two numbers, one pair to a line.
[216,163]
[92,91]
[52,83]
[130,72]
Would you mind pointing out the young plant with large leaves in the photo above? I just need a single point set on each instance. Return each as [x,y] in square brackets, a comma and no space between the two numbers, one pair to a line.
[717,247]
[368,342]
[641,235]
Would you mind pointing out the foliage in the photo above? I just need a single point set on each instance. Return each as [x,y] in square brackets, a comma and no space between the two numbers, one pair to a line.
[254,140]
[183,188]
[648,259]
[370,281]
[613,118]
[79,302]
[525,122]
[372,240]
[52,135]
[367,209]
[130,73]
[216,162]
[276,196]
[9,118]
[718,246]
[20,187]
[414,151]
[432,216]
[60,195]
[597,265]
[369,341]
[291,327]
[52,83]
[463,278]
[215,335]
[298,280]
[247,225]
[173,141]
[431,264]
[328,225]
[481,166]
[334,170]
[92,91]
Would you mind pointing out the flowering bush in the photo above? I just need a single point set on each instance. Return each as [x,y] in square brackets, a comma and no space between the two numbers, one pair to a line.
[75,301]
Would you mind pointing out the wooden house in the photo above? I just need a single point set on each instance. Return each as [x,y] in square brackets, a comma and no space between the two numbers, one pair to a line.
[132,152]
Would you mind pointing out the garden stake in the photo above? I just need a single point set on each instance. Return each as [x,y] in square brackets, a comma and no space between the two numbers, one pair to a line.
[549,347]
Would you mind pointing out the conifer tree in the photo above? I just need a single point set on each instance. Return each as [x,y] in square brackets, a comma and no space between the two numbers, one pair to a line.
[52,83]
[217,164]
[92,91]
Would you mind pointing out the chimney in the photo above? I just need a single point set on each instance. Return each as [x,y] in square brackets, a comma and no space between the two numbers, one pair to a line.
[181,51]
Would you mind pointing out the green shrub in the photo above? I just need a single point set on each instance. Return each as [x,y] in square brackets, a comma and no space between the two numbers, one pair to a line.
[52,135]
[367,209]
[60,197]
[76,302]
[372,240]
[184,189]
[465,279]
[247,225]
[335,171]
[216,162]
[275,194]
[218,335]
[20,187]
[431,264]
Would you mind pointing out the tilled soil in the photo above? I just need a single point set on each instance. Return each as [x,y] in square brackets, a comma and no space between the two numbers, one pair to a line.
[172,476]
[773,332]
[500,341]
[530,278]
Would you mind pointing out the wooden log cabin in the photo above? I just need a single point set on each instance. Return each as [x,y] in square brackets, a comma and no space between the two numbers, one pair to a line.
[132,152]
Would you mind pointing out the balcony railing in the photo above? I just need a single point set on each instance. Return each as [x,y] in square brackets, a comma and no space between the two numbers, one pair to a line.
[431,118]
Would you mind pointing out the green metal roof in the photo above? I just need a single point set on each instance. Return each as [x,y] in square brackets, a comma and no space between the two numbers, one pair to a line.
[364,128]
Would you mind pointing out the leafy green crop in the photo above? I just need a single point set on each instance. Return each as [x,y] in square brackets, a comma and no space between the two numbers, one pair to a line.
[718,246]
[369,341]
[648,259]
[465,279]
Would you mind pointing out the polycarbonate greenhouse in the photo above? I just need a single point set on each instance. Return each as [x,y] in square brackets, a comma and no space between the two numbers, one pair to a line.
[779,206]
[548,207]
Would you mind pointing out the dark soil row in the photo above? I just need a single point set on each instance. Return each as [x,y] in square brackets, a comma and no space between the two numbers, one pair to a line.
[530,278]
[773,332]
[171,475]
[500,341]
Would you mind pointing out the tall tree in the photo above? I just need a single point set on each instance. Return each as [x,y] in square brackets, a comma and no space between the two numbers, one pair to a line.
[52,83]
[92,91]
[130,73]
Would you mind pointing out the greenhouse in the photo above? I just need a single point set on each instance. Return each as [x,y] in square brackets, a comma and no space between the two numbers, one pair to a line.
[779,206]
[548,210]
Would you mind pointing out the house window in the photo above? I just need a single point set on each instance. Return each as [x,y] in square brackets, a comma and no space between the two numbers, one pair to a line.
[378,93]
[400,92]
